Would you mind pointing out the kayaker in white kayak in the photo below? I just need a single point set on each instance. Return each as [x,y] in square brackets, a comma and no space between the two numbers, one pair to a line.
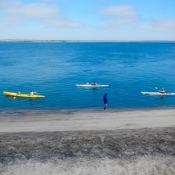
[94,83]
[162,91]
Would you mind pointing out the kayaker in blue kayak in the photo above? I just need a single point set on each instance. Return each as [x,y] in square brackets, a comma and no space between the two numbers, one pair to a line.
[162,91]
[105,100]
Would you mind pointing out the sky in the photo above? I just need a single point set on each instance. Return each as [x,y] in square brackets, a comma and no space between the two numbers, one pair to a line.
[87,19]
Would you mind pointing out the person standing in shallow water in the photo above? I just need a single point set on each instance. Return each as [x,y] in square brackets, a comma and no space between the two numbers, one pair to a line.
[105,100]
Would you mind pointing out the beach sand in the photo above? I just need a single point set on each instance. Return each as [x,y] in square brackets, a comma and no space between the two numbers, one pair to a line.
[45,121]
[87,142]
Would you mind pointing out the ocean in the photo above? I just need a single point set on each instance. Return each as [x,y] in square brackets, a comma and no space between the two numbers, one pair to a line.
[53,69]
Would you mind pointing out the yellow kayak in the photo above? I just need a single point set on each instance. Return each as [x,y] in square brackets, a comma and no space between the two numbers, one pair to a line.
[14,94]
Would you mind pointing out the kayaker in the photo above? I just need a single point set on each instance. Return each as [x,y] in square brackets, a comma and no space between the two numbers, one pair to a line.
[162,91]
[31,92]
[105,100]
[94,83]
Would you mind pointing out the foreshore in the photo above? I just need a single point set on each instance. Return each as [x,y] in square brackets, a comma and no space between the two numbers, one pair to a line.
[82,120]
[88,138]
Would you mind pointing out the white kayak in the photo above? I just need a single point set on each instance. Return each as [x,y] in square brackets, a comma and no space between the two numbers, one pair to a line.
[159,94]
[92,86]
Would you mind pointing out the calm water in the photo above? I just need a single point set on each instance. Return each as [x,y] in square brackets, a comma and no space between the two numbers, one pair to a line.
[53,69]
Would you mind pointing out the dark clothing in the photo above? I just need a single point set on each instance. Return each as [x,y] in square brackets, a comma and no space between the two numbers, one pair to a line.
[105,99]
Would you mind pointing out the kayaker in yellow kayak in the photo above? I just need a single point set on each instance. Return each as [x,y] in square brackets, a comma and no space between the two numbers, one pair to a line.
[31,93]
[18,94]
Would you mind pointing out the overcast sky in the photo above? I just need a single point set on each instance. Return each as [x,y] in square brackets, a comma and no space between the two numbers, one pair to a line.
[87,19]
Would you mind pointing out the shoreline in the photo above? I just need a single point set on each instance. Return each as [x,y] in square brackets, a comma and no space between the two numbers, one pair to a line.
[49,121]
[8,111]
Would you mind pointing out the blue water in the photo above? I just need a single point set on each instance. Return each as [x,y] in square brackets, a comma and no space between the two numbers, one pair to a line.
[53,69]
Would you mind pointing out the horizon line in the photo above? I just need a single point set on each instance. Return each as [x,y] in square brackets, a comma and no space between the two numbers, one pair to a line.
[52,40]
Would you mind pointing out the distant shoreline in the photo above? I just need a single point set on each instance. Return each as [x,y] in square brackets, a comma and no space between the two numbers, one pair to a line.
[82,41]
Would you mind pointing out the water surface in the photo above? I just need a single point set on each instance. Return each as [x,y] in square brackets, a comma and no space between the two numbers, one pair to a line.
[53,69]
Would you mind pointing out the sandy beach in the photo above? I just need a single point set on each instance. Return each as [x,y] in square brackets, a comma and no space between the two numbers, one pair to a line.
[45,121]
[87,142]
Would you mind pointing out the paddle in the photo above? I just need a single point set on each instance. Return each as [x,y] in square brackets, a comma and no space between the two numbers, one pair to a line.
[156,88]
